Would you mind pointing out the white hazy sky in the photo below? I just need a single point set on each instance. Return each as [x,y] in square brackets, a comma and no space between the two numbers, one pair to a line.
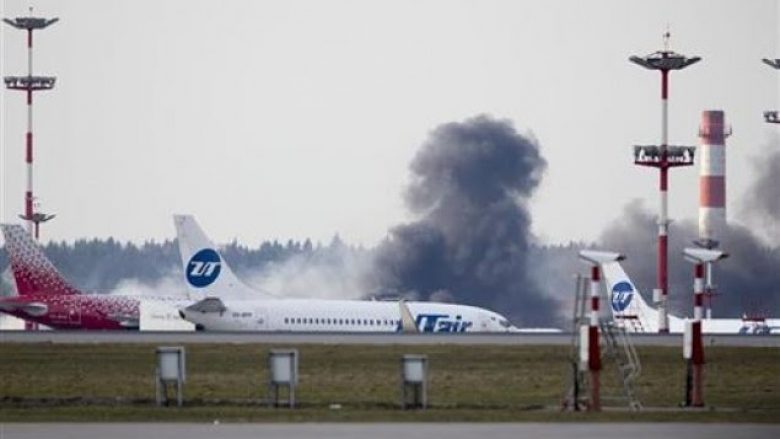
[294,119]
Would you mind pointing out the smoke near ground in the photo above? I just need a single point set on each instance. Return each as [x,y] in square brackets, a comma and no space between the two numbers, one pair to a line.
[748,281]
[333,272]
[470,185]
[169,285]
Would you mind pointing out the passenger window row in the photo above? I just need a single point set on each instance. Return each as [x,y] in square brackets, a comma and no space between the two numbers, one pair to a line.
[332,321]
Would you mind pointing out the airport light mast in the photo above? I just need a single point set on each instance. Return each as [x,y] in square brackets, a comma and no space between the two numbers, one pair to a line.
[30,84]
[772,116]
[663,157]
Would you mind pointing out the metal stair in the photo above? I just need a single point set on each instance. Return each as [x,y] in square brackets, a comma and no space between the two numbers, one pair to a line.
[617,349]
[618,346]
[632,323]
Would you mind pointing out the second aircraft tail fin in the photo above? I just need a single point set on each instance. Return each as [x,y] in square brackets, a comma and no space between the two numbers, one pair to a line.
[33,271]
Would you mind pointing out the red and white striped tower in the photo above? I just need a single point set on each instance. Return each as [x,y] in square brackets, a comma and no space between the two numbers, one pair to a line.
[594,351]
[712,188]
[30,84]
[712,175]
[697,347]
[663,157]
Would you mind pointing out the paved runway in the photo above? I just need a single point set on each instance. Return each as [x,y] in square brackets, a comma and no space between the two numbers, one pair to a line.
[406,431]
[341,338]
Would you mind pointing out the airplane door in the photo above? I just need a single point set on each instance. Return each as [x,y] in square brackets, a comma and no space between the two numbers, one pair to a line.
[261,319]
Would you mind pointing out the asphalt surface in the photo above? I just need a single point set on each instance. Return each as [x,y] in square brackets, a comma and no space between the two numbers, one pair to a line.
[406,431]
[341,338]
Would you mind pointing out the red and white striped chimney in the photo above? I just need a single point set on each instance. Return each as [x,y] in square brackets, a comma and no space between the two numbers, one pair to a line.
[712,175]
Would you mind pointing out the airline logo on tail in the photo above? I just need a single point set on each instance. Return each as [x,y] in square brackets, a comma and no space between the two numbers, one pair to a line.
[622,293]
[203,268]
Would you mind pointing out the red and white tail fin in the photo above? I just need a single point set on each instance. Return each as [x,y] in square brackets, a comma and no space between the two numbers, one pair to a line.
[33,272]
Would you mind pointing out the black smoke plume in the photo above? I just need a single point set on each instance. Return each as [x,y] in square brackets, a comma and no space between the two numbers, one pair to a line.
[470,185]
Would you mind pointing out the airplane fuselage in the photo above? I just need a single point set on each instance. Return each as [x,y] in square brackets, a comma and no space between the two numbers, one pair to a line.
[317,315]
[84,311]
[74,311]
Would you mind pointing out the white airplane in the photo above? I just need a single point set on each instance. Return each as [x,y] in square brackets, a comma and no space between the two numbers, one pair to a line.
[628,306]
[231,305]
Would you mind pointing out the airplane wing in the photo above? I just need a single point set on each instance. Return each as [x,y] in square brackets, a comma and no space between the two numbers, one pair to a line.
[125,320]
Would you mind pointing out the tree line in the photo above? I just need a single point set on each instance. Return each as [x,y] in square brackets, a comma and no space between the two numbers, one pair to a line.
[101,264]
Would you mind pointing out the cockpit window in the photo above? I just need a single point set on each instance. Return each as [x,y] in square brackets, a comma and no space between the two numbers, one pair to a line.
[504,323]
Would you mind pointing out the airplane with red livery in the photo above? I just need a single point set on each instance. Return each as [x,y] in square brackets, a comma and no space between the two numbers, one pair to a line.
[44,296]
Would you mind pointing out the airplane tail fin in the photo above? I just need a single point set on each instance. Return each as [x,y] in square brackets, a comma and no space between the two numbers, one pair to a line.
[33,271]
[626,302]
[206,272]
